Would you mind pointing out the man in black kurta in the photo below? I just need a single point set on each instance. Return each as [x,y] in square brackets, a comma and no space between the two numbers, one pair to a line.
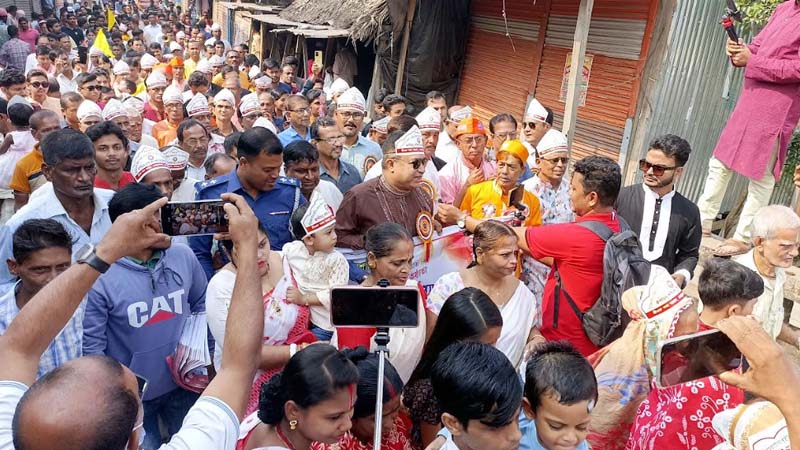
[668,224]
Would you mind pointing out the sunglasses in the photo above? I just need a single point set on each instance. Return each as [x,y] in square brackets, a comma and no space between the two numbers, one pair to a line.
[417,163]
[531,125]
[92,88]
[658,170]
[42,84]
[563,160]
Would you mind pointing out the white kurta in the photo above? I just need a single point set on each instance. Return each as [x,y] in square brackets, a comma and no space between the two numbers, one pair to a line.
[446,149]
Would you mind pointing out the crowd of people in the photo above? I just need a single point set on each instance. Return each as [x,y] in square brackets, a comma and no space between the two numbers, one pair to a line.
[109,114]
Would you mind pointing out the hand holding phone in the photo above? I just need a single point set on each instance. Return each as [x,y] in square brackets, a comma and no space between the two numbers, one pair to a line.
[695,356]
[199,218]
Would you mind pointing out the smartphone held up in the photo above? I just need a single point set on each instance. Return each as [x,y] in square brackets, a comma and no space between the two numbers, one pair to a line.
[389,307]
[695,356]
[202,217]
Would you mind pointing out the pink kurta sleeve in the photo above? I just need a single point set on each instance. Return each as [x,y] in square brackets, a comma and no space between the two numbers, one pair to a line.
[773,70]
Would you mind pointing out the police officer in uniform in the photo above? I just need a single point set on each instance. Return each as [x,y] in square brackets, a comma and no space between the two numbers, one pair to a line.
[257,179]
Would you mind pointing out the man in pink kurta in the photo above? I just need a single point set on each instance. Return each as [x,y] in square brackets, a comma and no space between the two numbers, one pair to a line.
[470,167]
[755,140]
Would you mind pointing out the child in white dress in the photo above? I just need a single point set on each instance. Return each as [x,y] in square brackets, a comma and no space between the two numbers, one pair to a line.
[316,266]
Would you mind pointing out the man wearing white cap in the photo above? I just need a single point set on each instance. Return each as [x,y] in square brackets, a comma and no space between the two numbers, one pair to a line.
[139,128]
[299,115]
[89,114]
[184,186]
[216,35]
[115,112]
[249,110]
[396,196]
[552,159]
[378,130]
[167,130]
[147,63]
[536,121]
[224,108]
[154,108]
[149,166]
[216,63]
[337,88]
[358,150]
[446,148]
[197,108]
[551,156]
[429,125]
[122,72]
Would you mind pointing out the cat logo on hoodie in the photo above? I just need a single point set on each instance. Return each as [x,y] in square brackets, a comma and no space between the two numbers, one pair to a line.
[158,310]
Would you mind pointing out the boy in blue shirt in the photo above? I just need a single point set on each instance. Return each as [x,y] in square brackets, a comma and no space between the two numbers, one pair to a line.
[560,392]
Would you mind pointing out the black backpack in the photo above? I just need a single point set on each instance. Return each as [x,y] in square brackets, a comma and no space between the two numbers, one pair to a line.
[623,268]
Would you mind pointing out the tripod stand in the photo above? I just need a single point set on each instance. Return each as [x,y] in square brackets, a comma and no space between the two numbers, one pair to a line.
[382,349]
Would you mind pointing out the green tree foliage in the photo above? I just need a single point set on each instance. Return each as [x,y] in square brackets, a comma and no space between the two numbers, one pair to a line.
[756,12]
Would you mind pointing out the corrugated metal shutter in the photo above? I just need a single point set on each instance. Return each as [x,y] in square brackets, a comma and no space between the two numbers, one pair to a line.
[500,72]
[220,14]
[616,38]
[26,5]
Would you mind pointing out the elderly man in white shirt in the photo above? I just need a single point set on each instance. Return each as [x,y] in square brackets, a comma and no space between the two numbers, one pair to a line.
[775,233]
[70,198]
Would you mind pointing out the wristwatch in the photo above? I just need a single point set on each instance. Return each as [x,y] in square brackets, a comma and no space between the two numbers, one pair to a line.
[88,255]
[462,222]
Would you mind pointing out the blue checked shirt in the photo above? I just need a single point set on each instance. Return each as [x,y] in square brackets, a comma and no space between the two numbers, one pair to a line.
[65,347]
[14,53]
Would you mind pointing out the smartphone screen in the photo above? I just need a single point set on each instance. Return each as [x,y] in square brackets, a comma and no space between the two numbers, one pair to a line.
[318,58]
[696,356]
[392,307]
[194,218]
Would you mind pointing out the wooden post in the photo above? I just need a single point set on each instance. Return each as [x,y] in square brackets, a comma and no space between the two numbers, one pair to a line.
[576,69]
[401,65]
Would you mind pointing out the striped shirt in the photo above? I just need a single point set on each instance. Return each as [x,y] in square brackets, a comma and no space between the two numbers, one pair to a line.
[65,347]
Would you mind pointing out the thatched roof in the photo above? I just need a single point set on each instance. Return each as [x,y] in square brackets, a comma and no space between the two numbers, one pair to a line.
[363,18]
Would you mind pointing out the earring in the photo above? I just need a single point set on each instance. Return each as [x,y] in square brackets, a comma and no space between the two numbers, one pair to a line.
[293,424]
[372,265]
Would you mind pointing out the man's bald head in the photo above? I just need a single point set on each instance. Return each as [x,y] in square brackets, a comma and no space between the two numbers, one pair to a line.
[296,101]
[89,403]
[40,116]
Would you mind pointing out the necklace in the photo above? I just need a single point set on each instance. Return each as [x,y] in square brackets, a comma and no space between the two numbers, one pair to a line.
[283,437]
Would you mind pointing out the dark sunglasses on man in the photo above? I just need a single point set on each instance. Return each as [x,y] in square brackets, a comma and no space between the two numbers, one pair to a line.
[658,169]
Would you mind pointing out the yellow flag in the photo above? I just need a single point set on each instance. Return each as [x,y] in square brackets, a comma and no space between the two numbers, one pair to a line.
[111,18]
[102,43]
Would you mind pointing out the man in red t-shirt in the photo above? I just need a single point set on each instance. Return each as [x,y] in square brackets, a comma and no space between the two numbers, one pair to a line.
[576,250]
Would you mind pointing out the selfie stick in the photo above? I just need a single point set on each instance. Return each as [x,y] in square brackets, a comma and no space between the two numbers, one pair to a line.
[382,349]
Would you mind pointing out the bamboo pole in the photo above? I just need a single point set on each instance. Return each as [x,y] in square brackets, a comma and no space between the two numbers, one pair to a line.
[401,65]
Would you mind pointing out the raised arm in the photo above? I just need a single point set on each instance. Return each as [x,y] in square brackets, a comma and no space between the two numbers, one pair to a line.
[49,310]
[243,330]
[771,375]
